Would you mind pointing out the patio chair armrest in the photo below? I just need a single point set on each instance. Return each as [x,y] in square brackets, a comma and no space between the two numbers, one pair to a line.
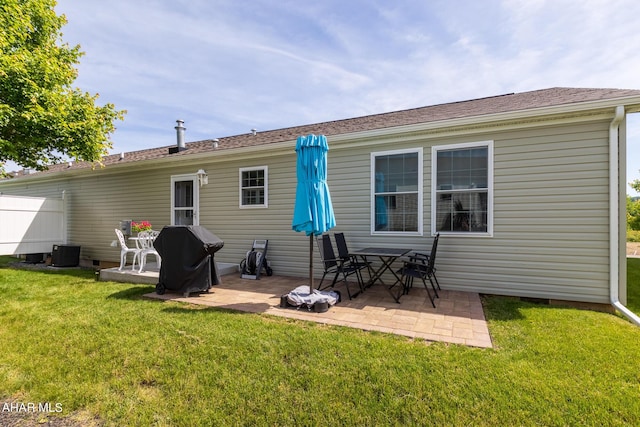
[354,259]
[419,257]
[416,266]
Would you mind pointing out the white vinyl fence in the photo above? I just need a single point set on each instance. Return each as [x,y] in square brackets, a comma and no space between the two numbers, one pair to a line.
[30,225]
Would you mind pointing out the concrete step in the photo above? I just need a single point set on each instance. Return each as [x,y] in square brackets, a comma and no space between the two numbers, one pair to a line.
[151,273]
[227,268]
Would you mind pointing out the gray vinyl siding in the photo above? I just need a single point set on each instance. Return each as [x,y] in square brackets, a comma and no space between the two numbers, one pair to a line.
[550,236]
[550,219]
[238,227]
[550,233]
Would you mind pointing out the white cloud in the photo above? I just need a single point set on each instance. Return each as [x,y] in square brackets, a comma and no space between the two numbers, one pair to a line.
[226,66]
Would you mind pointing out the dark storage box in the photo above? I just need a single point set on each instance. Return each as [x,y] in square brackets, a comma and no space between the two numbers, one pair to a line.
[34,258]
[65,256]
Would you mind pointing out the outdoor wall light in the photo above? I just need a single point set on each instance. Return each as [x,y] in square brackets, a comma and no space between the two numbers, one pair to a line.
[203,178]
[215,142]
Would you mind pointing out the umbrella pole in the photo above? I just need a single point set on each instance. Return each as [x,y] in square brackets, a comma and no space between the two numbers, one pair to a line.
[310,263]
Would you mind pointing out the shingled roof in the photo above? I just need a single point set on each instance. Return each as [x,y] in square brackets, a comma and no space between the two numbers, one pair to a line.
[511,102]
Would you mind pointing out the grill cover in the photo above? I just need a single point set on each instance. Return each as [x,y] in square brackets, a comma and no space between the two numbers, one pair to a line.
[187,258]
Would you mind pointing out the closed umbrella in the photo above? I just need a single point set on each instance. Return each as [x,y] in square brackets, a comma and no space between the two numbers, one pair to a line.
[313,211]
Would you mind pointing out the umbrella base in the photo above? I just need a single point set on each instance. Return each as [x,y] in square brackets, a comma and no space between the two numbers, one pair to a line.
[321,306]
[318,301]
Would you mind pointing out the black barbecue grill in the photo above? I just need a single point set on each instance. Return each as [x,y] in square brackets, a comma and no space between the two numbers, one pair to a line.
[187,259]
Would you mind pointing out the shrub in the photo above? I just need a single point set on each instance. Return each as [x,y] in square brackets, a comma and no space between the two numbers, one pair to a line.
[633,235]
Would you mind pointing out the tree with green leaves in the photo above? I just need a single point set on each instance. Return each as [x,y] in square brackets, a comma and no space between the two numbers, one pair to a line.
[635,184]
[43,119]
[633,213]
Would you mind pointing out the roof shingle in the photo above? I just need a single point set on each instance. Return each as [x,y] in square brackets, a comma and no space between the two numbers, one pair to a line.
[476,107]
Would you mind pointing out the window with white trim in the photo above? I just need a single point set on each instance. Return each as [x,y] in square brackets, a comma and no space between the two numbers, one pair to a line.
[396,192]
[253,187]
[462,188]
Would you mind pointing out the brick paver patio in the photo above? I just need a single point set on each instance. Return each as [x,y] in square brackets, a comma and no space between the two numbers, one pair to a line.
[458,317]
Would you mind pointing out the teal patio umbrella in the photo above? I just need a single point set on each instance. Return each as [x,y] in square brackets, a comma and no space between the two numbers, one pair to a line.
[313,211]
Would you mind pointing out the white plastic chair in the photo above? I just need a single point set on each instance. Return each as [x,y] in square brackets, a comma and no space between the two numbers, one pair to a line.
[145,239]
[124,250]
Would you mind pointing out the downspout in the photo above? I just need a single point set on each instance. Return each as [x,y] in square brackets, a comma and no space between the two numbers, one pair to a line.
[65,226]
[614,223]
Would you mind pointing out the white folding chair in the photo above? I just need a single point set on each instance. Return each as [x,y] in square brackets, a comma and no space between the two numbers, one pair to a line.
[124,250]
[146,238]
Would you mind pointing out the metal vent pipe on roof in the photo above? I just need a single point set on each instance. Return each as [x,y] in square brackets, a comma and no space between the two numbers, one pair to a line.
[180,133]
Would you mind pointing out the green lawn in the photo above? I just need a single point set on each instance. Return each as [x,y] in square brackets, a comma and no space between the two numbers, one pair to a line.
[101,348]
[633,284]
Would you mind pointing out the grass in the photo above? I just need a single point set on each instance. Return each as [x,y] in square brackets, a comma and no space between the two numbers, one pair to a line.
[633,284]
[101,348]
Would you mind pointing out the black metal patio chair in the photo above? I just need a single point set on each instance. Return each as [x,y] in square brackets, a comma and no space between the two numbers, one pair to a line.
[422,266]
[337,266]
[343,252]
[430,259]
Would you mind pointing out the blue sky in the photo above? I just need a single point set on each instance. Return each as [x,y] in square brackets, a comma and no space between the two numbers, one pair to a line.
[227,66]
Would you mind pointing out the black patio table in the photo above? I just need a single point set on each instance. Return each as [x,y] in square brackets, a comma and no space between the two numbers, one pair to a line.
[388,257]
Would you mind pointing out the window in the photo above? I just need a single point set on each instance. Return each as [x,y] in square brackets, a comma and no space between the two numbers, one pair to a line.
[462,181]
[253,187]
[396,192]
